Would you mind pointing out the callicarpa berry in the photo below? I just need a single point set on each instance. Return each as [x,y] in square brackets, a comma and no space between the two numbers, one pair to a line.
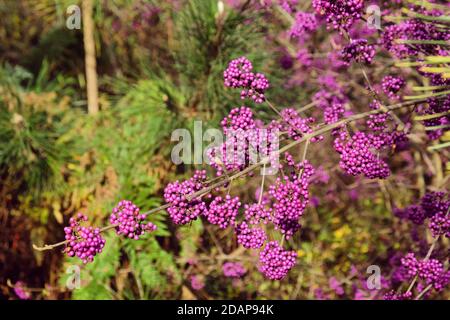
[287,5]
[357,156]
[304,22]
[377,122]
[291,196]
[275,262]
[197,283]
[440,224]
[340,14]
[332,104]
[129,221]
[238,118]
[434,202]
[391,86]
[413,29]
[256,213]
[392,295]
[437,105]
[244,140]
[432,271]
[358,50]
[295,125]
[434,206]
[233,270]
[223,211]
[250,238]
[239,75]
[21,291]
[182,210]
[414,213]
[83,242]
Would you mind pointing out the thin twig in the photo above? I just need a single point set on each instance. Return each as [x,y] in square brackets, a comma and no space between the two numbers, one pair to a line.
[262,184]
[424,291]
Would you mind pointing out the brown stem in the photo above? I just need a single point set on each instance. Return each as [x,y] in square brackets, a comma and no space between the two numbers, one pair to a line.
[89,56]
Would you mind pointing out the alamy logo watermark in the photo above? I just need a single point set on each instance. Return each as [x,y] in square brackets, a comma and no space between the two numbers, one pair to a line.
[236,149]
[373,17]
[74,279]
[73,20]
[374,281]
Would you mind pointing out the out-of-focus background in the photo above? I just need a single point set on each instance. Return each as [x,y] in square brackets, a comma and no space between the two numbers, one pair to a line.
[159,67]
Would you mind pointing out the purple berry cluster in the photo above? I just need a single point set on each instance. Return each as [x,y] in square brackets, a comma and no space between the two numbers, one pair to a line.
[413,213]
[197,283]
[358,158]
[239,75]
[286,5]
[414,29]
[290,197]
[332,104]
[129,221]
[339,13]
[433,206]
[21,291]
[256,213]
[358,50]
[378,122]
[435,202]
[244,140]
[233,270]
[183,210]
[432,271]
[391,86]
[439,224]
[437,106]
[304,22]
[223,211]
[250,238]
[275,262]
[83,242]
[238,119]
[392,295]
[295,125]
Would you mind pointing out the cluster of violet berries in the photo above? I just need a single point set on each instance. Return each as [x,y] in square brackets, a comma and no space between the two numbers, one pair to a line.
[413,29]
[433,206]
[304,22]
[392,85]
[290,196]
[83,242]
[250,238]
[239,75]
[358,50]
[86,242]
[358,157]
[243,138]
[129,221]
[437,106]
[339,14]
[431,271]
[233,270]
[332,104]
[182,211]
[275,261]
[223,211]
